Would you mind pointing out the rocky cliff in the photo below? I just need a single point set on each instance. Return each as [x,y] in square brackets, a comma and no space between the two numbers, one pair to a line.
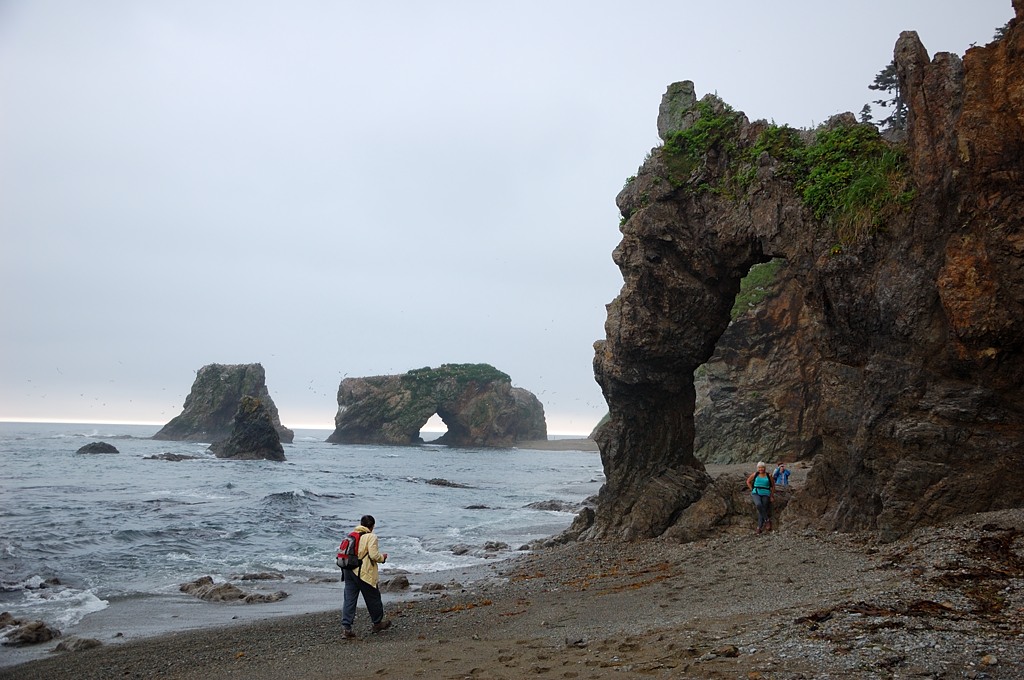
[477,402]
[755,395]
[210,407]
[907,263]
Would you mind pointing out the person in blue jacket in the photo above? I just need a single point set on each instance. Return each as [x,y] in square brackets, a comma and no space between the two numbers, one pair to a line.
[762,488]
[781,475]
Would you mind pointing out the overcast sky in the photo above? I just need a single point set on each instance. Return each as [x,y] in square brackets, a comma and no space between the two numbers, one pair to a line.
[338,188]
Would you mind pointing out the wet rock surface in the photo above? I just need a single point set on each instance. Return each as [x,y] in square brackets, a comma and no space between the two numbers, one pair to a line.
[205,589]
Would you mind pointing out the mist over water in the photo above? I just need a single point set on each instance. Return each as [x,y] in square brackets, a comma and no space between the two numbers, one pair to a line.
[120,526]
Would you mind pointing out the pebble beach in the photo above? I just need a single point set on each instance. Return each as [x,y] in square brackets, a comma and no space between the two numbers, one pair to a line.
[945,602]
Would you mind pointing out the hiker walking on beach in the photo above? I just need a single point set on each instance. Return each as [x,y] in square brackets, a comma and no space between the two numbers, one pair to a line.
[762,487]
[364,579]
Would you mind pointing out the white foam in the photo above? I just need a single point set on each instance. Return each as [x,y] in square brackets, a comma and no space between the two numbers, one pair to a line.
[59,607]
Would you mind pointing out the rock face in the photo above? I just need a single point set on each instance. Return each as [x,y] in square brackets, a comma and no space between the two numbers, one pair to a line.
[476,401]
[253,435]
[210,407]
[913,307]
[756,397]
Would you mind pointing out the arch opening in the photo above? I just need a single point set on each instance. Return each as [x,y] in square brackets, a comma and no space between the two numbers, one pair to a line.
[751,395]
[433,429]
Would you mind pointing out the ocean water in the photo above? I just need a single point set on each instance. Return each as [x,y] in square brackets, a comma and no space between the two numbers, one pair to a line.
[111,527]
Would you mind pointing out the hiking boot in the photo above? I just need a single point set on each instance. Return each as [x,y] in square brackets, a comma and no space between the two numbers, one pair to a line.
[768,525]
[347,634]
[758,532]
[384,624]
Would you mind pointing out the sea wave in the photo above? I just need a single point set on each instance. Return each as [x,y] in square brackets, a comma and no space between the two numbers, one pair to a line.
[128,527]
[59,606]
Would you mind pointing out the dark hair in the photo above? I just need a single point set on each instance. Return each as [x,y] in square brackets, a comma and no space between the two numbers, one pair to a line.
[367,521]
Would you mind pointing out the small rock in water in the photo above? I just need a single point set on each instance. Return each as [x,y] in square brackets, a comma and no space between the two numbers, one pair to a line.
[31,633]
[98,447]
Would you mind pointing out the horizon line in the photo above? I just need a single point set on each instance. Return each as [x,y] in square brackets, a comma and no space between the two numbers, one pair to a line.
[51,421]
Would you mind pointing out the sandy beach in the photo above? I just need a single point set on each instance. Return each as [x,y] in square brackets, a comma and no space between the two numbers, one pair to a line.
[581,444]
[944,602]
[781,605]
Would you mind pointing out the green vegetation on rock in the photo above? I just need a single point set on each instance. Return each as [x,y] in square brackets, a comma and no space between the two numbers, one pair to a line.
[684,150]
[849,176]
[460,374]
[854,179]
[756,286]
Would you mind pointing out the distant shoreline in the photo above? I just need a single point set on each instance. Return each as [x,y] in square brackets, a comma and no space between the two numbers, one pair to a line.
[581,444]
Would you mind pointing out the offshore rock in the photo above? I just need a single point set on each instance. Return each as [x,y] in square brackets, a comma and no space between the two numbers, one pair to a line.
[253,435]
[914,404]
[98,447]
[210,407]
[477,403]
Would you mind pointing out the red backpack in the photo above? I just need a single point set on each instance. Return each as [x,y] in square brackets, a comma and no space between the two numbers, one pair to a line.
[348,552]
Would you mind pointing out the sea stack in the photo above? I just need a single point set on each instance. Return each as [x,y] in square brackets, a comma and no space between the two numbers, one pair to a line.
[210,408]
[476,401]
[253,435]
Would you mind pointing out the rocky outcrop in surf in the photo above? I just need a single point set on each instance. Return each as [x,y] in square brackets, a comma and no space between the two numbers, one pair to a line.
[908,266]
[210,407]
[205,589]
[253,435]
[98,447]
[477,403]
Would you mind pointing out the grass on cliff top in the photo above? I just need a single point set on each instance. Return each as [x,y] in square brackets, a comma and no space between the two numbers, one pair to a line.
[685,150]
[480,373]
[422,382]
[849,177]
[853,179]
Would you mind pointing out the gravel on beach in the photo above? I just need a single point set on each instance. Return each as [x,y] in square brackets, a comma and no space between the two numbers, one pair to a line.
[945,602]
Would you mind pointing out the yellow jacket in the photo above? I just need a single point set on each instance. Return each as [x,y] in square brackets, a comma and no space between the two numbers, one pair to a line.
[369,553]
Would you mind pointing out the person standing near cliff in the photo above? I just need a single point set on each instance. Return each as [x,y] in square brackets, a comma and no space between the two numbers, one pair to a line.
[364,579]
[762,488]
[781,475]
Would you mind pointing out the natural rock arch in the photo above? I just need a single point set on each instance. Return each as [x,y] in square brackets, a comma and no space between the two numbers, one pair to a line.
[477,403]
[918,323]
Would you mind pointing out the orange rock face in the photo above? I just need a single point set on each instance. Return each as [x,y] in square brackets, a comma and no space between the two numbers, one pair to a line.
[910,353]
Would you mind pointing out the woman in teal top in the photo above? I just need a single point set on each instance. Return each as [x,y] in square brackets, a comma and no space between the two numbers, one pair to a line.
[762,488]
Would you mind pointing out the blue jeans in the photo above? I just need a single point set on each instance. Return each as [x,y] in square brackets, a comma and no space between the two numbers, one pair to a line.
[764,509]
[371,596]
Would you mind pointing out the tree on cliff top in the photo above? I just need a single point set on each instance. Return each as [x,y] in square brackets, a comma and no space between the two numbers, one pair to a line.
[887,81]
